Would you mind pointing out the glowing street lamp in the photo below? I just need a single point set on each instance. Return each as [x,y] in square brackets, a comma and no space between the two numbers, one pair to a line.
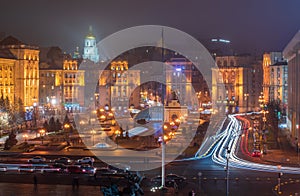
[42,133]
[102,117]
[25,136]
[93,132]
[66,128]
[117,133]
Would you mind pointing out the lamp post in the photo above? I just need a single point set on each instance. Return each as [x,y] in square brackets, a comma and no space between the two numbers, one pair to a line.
[279,178]
[34,100]
[297,140]
[199,176]
[93,132]
[227,171]
[246,95]
[42,133]
[117,133]
[298,151]
[163,156]
[66,129]
[264,117]
[25,136]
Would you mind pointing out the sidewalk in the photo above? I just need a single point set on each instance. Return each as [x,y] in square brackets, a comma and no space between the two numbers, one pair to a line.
[286,155]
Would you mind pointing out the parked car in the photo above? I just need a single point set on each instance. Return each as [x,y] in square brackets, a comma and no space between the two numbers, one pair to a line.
[88,169]
[102,146]
[50,169]
[74,169]
[3,169]
[63,160]
[62,167]
[105,170]
[256,153]
[120,167]
[26,168]
[86,160]
[176,178]
[37,159]
[169,178]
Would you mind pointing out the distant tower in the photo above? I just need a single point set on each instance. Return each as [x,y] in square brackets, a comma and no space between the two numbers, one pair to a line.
[90,50]
[76,54]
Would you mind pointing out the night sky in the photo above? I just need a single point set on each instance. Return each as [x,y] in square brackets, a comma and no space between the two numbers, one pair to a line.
[251,25]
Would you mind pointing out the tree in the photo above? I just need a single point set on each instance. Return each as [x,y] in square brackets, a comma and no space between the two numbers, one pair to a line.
[46,125]
[2,103]
[66,120]
[52,124]
[58,125]
[6,104]
[10,141]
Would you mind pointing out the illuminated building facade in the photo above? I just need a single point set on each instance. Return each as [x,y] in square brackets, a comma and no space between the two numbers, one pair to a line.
[268,59]
[117,87]
[278,90]
[24,74]
[7,69]
[50,94]
[242,77]
[61,82]
[292,54]
[72,81]
[90,50]
[179,80]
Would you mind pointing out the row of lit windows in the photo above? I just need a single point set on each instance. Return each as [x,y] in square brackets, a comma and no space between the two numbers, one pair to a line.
[31,57]
[6,67]
[70,66]
[48,75]
[225,63]
[6,83]
[6,75]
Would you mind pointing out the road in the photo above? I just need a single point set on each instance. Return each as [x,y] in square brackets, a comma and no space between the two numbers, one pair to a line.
[245,177]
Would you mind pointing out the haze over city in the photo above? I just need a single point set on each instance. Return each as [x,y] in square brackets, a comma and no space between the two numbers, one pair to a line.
[252,26]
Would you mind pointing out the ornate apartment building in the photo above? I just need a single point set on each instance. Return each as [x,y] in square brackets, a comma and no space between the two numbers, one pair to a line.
[179,80]
[292,54]
[236,83]
[61,81]
[118,87]
[19,64]
[268,60]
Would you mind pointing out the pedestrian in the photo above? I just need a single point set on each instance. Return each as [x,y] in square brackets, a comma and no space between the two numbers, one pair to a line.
[35,182]
[192,193]
[175,186]
[77,182]
[73,183]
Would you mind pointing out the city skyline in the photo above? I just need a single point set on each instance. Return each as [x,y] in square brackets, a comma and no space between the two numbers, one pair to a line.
[250,26]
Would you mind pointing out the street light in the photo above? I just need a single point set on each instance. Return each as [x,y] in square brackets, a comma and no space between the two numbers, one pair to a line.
[66,129]
[34,100]
[246,95]
[117,133]
[264,117]
[163,156]
[93,132]
[297,140]
[199,176]
[279,178]
[227,171]
[25,136]
[42,133]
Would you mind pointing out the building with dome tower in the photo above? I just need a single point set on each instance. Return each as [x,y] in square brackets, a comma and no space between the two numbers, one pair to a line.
[90,50]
